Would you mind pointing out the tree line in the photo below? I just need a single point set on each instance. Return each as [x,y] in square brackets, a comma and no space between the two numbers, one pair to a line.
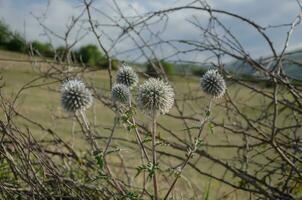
[88,54]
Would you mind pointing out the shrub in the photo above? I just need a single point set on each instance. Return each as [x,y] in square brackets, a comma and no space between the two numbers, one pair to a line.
[90,55]
[62,54]
[45,49]
[199,71]
[4,34]
[168,68]
[17,43]
[104,64]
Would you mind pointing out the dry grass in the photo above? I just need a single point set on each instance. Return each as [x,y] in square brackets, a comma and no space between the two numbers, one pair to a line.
[42,104]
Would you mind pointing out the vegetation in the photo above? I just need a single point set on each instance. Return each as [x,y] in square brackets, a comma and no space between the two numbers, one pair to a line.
[4,34]
[69,132]
[10,40]
[49,106]
[91,55]
[153,68]
[48,100]
[43,49]
[88,54]
[199,71]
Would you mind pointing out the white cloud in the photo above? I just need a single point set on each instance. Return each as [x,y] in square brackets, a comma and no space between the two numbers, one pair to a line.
[237,1]
[59,14]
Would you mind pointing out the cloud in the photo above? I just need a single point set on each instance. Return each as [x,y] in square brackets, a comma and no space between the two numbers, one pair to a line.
[59,13]
[20,17]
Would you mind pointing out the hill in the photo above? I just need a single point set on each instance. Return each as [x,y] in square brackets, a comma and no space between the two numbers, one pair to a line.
[292,65]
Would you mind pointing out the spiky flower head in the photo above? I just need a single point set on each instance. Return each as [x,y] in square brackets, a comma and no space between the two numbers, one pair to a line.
[127,76]
[75,96]
[213,83]
[155,95]
[120,93]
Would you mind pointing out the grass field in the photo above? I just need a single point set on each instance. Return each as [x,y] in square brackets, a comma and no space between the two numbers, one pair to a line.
[42,104]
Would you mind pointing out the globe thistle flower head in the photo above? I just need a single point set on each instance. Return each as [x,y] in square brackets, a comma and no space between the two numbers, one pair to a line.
[120,93]
[155,95]
[127,76]
[213,84]
[75,96]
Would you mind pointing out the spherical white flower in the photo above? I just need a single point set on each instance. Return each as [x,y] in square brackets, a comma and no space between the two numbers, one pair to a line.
[155,95]
[75,96]
[127,76]
[213,84]
[120,93]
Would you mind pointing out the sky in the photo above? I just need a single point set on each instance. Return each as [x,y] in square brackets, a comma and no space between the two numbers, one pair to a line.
[56,15]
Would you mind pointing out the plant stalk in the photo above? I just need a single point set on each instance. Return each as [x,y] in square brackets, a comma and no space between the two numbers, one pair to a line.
[154,155]
[202,123]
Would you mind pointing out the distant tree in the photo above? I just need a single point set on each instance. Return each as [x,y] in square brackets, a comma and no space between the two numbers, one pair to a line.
[168,68]
[90,55]
[62,54]
[17,43]
[60,51]
[104,64]
[199,71]
[4,34]
[11,41]
[45,49]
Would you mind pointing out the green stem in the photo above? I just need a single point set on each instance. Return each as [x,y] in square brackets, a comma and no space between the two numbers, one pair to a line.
[202,123]
[111,135]
[154,155]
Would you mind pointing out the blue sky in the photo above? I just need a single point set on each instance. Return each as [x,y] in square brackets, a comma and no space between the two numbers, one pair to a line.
[19,15]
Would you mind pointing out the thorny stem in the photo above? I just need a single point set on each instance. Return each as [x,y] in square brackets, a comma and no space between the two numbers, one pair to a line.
[139,139]
[95,148]
[72,133]
[202,123]
[143,149]
[111,135]
[98,37]
[154,154]
[89,135]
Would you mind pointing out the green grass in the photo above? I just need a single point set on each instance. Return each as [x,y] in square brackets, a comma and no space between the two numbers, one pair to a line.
[42,104]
